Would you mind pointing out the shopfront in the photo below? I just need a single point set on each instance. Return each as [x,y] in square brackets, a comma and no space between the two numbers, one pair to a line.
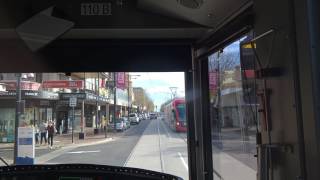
[39,106]
[88,105]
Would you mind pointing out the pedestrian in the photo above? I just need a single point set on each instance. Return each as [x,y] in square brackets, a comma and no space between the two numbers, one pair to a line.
[51,130]
[43,133]
[36,130]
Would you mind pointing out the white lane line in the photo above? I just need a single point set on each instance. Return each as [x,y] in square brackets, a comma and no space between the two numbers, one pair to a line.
[81,152]
[161,155]
[163,126]
[183,161]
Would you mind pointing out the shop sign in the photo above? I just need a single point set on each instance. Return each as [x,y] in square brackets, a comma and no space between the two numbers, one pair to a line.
[23,93]
[72,84]
[24,85]
[91,96]
[31,94]
[49,95]
[67,96]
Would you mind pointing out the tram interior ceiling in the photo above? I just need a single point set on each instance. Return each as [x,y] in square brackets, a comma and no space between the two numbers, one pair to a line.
[275,72]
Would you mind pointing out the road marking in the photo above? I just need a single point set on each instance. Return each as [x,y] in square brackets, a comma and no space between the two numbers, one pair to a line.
[135,146]
[161,156]
[183,161]
[165,129]
[81,152]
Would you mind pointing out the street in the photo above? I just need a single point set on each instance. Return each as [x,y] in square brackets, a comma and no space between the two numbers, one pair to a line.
[149,145]
[111,153]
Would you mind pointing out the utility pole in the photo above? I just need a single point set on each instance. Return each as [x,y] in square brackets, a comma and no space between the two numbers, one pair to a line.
[114,99]
[128,95]
[129,77]
[97,101]
[18,113]
[173,92]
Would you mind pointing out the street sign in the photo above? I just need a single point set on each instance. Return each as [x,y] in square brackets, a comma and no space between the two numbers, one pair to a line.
[73,102]
[26,153]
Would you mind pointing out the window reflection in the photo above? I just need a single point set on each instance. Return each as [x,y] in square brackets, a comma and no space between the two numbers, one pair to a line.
[232,116]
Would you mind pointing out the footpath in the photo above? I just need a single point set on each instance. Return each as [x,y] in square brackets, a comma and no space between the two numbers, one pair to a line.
[61,143]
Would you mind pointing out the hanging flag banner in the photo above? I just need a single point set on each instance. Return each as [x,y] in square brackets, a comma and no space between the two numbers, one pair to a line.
[213,78]
[121,83]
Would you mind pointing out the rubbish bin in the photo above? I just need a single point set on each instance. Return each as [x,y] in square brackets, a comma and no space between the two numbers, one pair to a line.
[81,135]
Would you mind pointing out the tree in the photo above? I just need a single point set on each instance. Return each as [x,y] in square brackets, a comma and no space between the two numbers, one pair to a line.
[142,99]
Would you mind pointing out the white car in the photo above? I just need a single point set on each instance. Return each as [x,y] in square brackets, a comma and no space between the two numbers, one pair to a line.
[134,119]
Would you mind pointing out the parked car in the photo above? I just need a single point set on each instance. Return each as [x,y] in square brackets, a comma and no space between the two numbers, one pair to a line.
[142,116]
[147,116]
[120,124]
[134,119]
[126,123]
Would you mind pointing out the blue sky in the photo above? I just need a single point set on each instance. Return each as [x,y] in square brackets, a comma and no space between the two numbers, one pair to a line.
[157,85]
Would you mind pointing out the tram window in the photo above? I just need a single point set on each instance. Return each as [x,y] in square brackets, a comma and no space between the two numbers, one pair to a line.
[233,115]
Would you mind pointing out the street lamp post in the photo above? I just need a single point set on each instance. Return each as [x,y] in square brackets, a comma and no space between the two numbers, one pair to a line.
[114,99]
[128,95]
[129,77]
[18,112]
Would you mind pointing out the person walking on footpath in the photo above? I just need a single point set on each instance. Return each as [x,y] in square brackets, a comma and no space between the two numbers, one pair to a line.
[36,129]
[43,133]
[50,129]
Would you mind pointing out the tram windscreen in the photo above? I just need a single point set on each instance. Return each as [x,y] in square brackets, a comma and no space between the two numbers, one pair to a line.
[181,108]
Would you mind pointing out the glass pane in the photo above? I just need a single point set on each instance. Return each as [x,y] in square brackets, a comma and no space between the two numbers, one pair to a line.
[181,108]
[123,125]
[233,116]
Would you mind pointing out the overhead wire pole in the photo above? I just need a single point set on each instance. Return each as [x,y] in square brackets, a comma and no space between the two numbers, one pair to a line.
[173,92]
[18,112]
[129,107]
[128,95]
[97,100]
[114,99]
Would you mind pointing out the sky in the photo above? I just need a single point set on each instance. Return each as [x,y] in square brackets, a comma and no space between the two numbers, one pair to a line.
[157,85]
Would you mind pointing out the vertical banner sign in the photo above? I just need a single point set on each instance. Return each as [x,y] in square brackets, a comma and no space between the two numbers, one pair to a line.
[26,146]
[213,81]
[213,85]
[121,80]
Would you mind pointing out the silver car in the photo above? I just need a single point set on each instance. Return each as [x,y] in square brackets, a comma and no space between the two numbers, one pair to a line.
[120,124]
[134,119]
